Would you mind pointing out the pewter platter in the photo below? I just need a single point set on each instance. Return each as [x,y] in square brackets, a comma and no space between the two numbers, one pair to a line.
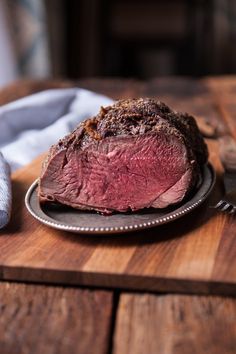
[72,220]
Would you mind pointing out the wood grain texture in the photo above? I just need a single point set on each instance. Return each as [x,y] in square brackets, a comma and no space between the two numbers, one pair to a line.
[39,319]
[172,324]
[195,254]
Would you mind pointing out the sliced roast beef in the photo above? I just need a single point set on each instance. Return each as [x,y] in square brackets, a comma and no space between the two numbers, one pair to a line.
[135,154]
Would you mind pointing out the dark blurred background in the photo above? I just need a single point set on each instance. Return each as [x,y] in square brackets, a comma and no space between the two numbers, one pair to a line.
[125,38]
[142,38]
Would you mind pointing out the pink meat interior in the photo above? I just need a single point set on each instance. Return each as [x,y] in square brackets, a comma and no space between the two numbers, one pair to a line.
[120,173]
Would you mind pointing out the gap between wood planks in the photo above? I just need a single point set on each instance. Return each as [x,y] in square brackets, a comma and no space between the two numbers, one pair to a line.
[115,308]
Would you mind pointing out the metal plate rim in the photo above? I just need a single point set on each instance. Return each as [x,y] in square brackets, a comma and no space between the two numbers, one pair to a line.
[171,216]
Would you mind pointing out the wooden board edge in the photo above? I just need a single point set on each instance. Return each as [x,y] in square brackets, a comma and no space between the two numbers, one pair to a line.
[117,281]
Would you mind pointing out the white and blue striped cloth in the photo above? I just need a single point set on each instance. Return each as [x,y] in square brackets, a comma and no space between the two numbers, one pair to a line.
[5,192]
[29,126]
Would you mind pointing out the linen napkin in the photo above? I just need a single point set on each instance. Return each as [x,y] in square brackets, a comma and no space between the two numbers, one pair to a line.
[5,192]
[29,126]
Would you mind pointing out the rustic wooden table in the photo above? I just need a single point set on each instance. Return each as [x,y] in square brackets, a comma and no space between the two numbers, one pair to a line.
[52,318]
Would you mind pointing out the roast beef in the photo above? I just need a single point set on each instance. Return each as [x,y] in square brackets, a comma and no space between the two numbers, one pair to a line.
[135,154]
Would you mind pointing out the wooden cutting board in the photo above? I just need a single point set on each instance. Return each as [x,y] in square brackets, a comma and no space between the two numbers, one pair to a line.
[195,254]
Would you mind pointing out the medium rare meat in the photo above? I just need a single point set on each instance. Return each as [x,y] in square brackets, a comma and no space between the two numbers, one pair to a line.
[135,154]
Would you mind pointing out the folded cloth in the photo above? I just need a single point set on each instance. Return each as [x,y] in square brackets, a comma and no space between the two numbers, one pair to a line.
[5,192]
[29,126]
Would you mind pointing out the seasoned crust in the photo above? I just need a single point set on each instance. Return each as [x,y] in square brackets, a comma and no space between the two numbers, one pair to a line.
[135,117]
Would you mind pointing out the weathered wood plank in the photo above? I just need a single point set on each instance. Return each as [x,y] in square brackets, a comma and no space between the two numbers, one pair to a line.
[39,319]
[175,324]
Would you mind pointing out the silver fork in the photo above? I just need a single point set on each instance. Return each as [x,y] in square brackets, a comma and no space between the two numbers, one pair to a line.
[228,159]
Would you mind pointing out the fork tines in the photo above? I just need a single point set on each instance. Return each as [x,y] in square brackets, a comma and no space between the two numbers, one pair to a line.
[222,205]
